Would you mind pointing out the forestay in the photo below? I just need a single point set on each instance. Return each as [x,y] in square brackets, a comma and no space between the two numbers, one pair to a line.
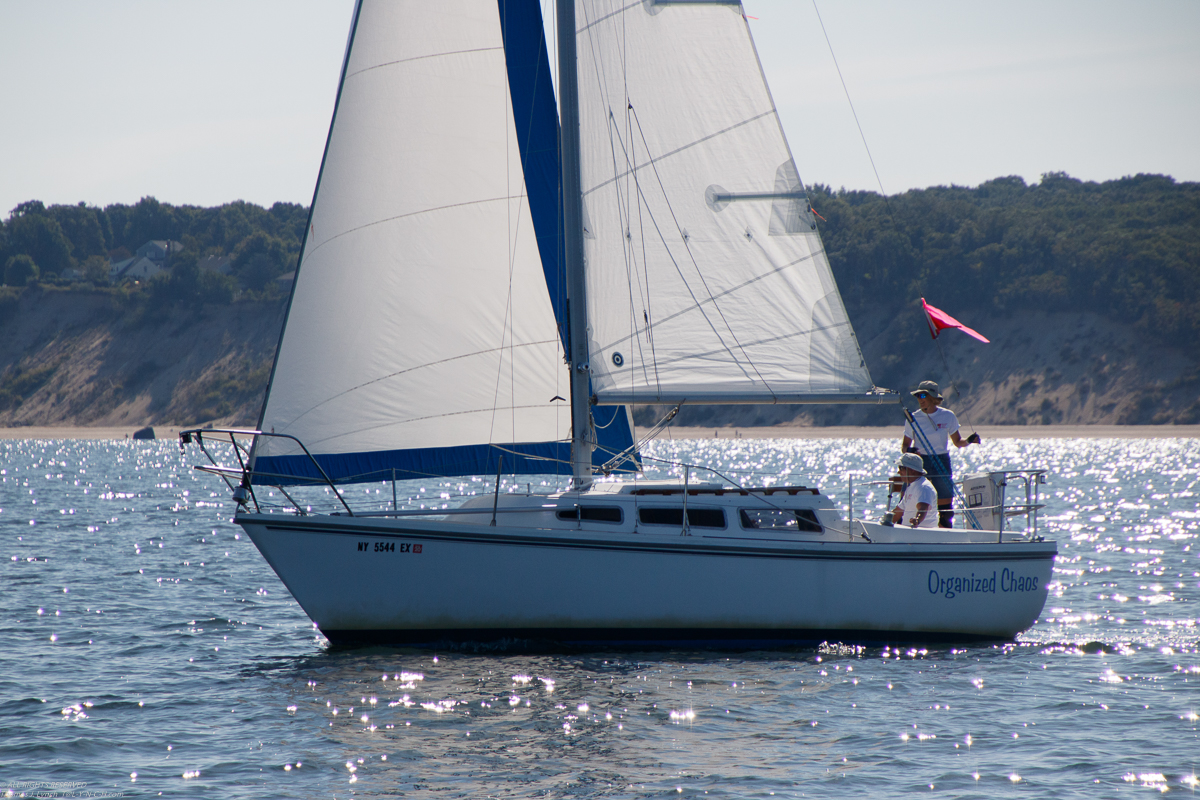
[706,277]
[421,337]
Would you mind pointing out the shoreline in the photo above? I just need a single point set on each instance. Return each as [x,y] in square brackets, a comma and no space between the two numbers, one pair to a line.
[104,433]
[988,432]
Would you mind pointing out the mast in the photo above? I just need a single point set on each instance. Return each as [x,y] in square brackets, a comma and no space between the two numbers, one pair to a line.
[568,101]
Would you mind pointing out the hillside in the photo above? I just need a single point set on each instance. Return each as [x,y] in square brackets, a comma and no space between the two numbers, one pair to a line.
[1090,293]
[1041,368]
[86,358]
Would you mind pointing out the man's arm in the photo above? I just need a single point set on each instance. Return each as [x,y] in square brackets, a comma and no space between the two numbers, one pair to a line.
[922,508]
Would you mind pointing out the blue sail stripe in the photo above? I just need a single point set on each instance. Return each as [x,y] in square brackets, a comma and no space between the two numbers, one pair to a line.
[535,113]
[531,458]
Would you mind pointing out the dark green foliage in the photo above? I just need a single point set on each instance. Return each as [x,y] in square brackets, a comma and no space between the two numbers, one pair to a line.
[1129,247]
[94,269]
[83,227]
[259,259]
[34,232]
[186,284]
[20,270]
[264,242]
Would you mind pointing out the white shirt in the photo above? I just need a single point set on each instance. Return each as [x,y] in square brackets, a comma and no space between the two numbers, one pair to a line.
[919,491]
[937,427]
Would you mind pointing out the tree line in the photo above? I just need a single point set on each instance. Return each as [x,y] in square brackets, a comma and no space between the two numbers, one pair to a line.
[46,244]
[1129,248]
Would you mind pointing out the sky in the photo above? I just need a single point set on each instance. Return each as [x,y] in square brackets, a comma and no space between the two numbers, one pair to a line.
[207,101]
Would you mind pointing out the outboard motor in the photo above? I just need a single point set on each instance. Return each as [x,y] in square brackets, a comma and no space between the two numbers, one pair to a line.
[984,494]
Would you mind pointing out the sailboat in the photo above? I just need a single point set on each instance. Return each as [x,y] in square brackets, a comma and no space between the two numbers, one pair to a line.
[491,275]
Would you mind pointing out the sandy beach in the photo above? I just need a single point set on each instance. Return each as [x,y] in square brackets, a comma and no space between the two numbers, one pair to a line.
[986,431]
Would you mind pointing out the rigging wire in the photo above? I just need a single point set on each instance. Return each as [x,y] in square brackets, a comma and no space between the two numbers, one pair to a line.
[883,193]
[692,257]
[952,383]
[851,103]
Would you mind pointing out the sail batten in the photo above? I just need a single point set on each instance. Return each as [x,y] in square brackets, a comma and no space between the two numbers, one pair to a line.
[770,114]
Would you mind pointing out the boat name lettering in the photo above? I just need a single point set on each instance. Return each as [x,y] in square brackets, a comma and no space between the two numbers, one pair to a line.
[1006,581]
[953,586]
[1012,582]
[389,547]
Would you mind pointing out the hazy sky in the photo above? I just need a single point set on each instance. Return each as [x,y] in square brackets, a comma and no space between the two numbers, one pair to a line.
[207,101]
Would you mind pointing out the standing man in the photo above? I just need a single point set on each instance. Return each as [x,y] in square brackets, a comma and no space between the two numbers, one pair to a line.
[940,428]
[917,502]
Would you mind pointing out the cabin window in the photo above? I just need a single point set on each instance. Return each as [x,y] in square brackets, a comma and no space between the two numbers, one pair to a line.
[592,513]
[697,517]
[778,519]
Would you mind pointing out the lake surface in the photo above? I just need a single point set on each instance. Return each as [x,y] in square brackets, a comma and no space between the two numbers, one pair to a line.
[148,650]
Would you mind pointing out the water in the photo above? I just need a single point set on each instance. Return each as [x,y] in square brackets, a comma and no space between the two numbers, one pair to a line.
[148,650]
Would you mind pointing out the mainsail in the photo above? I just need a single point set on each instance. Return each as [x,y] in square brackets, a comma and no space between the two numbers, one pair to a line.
[422,336]
[706,278]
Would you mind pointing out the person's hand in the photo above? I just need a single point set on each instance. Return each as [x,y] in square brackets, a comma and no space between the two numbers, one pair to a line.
[974,439]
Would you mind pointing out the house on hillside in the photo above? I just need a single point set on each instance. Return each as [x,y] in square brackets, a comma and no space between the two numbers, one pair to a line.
[149,260]
[159,250]
[138,268]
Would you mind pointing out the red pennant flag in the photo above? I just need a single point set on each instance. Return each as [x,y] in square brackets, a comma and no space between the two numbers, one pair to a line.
[939,320]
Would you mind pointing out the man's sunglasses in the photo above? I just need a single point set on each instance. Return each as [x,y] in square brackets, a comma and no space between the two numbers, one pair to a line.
[922,395]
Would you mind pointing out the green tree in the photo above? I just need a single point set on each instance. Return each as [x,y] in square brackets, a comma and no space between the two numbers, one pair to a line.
[186,284]
[82,226]
[259,259]
[20,270]
[147,219]
[34,232]
[95,269]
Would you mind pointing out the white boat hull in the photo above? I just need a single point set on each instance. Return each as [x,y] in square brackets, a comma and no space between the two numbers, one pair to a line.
[417,581]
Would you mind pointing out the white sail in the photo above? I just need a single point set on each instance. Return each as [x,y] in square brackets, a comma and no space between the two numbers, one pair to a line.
[420,316]
[706,277]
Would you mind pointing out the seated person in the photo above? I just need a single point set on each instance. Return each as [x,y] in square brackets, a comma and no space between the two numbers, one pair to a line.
[917,504]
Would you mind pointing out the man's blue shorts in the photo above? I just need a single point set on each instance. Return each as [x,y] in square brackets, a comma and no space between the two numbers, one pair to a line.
[940,474]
